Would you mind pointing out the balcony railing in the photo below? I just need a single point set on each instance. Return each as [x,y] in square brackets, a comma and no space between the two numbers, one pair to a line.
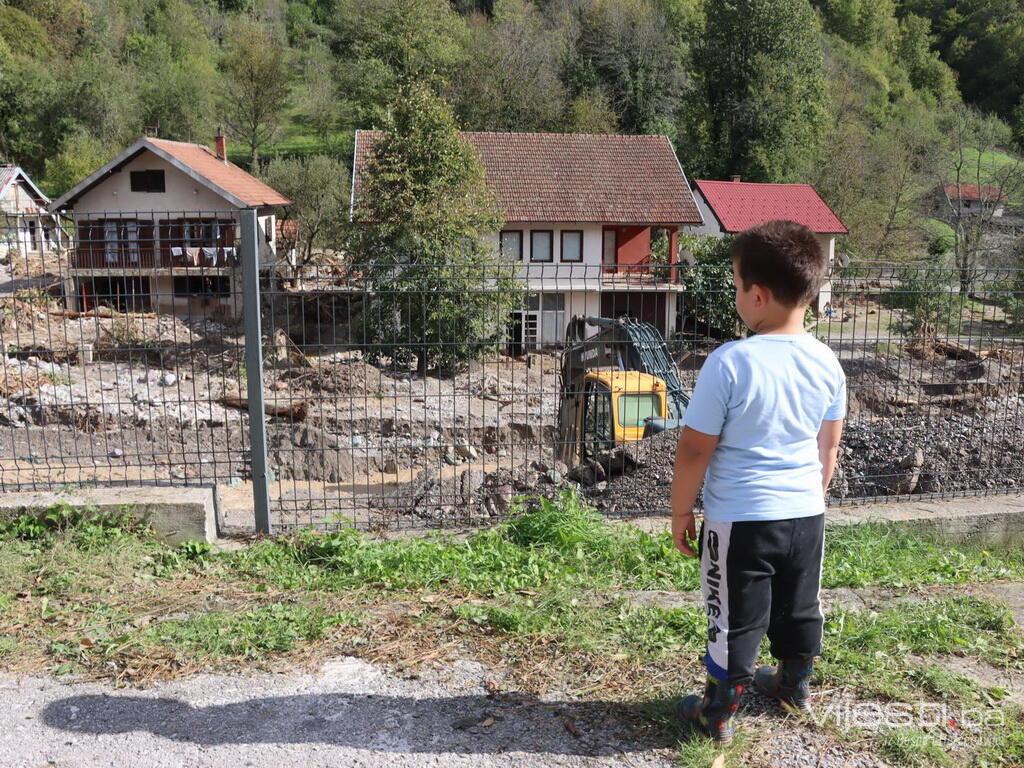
[130,256]
[645,272]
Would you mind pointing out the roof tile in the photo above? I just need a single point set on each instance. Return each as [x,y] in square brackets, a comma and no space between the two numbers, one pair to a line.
[225,175]
[562,177]
[739,205]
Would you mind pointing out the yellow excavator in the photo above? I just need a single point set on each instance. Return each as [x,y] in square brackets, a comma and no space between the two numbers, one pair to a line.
[618,385]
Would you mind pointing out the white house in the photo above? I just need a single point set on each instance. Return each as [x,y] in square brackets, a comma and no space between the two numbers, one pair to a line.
[593,220]
[28,229]
[157,228]
[971,199]
[729,207]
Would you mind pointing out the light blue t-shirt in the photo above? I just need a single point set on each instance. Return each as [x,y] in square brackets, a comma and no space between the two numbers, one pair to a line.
[766,397]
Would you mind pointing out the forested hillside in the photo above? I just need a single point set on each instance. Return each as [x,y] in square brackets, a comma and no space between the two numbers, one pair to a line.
[860,97]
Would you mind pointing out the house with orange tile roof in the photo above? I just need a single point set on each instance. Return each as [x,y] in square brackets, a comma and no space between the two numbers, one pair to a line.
[591,220]
[156,228]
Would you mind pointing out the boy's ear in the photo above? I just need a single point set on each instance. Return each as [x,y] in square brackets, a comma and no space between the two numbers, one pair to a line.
[762,295]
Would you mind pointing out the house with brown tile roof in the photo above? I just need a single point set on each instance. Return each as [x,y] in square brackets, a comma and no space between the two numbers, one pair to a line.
[593,220]
[156,228]
[26,226]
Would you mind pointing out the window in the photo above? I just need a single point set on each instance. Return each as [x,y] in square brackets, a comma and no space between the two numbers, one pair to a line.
[597,419]
[608,250]
[110,244]
[147,181]
[634,410]
[511,244]
[540,245]
[572,245]
[217,285]
[532,301]
[130,236]
[552,302]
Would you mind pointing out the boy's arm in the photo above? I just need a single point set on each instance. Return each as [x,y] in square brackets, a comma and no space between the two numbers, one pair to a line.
[828,449]
[693,454]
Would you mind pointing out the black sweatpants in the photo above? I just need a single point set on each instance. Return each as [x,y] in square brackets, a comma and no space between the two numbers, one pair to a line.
[759,576]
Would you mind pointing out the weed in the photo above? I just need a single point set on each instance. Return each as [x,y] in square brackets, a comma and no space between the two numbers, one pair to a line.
[247,634]
[885,555]
[912,748]
[1004,746]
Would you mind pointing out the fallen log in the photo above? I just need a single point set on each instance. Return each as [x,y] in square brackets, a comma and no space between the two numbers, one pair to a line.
[103,312]
[294,411]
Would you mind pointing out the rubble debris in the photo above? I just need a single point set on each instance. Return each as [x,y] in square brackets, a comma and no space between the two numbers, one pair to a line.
[297,411]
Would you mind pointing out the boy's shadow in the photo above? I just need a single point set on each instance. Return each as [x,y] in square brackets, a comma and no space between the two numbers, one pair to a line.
[463,724]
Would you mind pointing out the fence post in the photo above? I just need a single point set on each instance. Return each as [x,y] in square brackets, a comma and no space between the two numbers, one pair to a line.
[254,369]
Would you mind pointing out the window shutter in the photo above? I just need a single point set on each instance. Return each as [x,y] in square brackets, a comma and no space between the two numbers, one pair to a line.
[146,242]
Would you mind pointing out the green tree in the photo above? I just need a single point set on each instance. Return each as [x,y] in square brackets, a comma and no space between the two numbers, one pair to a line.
[176,72]
[256,85]
[865,23]
[924,67]
[709,303]
[27,91]
[622,49]
[318,188]
[80,154]
[422,240]
[760,102]
[510,78]
[381,44]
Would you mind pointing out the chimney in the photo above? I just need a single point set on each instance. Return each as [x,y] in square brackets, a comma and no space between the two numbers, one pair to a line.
[221,143]
[736,179]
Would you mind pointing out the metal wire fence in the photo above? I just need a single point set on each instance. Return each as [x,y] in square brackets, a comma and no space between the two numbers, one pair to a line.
[416,394]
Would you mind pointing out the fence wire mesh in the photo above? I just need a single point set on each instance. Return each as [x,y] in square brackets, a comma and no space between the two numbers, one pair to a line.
[418,393]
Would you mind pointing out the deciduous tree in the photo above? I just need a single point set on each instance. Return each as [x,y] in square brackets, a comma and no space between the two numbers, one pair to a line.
[421,238]
[256,85]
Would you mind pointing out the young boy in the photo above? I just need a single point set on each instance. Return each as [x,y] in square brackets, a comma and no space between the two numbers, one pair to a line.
[764,424]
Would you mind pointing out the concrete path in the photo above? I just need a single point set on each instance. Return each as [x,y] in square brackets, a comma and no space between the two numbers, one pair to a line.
[349,714]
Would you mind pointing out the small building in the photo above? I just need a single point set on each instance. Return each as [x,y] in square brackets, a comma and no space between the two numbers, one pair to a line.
[157,229]
[970,199]
[28,229]
[729,207]
[593,220]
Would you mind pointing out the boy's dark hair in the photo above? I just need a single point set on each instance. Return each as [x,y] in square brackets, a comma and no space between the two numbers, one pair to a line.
[784,257]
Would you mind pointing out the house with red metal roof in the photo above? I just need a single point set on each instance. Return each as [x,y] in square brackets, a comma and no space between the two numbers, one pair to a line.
[592,220]
[729,207]
[156,228]
[971,199]
[26,226]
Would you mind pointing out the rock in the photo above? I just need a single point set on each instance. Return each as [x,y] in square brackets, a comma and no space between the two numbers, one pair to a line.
[540,466]
[390,466]
[531,480]
[450,457]
[168,379]
[562,468]
[116,453]
[553,476]
[467,451]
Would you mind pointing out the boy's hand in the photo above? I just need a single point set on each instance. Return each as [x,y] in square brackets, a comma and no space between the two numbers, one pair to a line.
[684,531]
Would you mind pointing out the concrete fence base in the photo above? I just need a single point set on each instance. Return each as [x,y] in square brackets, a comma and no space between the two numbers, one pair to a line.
[978,520]
[175,514]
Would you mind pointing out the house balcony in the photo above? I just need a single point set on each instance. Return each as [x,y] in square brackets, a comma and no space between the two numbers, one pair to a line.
[133,257]
[641,275]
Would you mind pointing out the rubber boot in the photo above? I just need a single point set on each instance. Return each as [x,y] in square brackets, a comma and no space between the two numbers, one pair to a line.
[713,711]
[789,682]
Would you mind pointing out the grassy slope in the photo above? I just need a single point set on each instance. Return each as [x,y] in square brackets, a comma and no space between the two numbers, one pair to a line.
[543,596]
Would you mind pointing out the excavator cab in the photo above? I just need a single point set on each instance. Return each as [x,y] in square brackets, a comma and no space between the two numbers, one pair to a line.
[619,386]
[616,408]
